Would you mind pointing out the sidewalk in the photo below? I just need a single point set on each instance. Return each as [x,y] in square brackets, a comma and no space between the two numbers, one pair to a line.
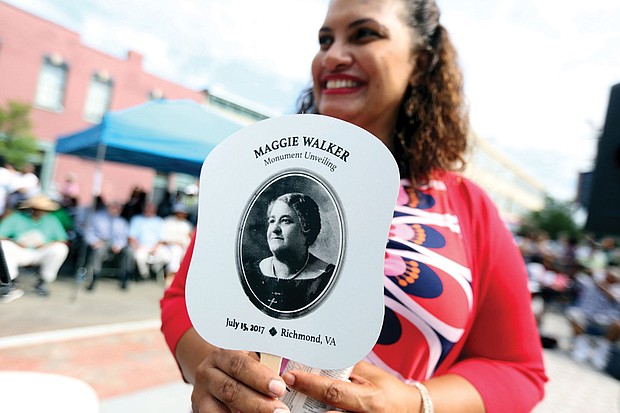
[574,387]
[110,339]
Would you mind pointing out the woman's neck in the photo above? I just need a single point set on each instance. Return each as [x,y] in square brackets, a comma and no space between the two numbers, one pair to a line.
[289,269]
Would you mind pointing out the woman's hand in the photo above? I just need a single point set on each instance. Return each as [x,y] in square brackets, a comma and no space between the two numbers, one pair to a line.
[371,390]
[230,381]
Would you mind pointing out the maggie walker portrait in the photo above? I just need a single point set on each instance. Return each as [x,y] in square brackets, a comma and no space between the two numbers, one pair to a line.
[288,283]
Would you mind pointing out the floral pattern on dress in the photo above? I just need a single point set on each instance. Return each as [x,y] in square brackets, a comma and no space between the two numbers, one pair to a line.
[428,294]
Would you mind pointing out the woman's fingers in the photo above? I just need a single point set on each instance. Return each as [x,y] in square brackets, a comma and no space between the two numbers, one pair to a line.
[202,404]
[246,369]
[360,396]
[237,381]
[366,372]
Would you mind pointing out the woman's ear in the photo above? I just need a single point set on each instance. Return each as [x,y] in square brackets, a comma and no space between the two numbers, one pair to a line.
[422,61]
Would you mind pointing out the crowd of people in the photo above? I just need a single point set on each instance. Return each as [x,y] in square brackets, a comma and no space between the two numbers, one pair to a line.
[580,278]
[49,235]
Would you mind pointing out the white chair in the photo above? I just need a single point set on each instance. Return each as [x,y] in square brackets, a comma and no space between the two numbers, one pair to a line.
[32,392]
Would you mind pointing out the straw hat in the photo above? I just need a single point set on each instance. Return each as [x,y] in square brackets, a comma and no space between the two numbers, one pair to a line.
[40,202]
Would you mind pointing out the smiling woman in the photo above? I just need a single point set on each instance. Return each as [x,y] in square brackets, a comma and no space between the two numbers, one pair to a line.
[458,314]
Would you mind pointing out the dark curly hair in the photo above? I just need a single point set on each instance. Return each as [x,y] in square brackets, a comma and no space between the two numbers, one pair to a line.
[432,125]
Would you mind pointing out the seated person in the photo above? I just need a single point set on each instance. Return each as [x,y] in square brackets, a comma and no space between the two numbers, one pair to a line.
[598,312]
[176,235]
[145,234]
[33,236]
[106,234]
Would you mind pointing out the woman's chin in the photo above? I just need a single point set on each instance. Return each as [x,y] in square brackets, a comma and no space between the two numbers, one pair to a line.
[286,255]
[337,110]
[347,115]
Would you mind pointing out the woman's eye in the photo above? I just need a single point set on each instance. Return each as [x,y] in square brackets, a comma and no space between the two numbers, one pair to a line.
[325,41]
[365,34]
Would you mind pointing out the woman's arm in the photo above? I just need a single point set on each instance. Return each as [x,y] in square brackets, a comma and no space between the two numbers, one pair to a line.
[224,380]
[190,352]
[503,350]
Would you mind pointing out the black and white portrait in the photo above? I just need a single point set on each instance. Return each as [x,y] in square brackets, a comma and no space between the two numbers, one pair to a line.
[291,245]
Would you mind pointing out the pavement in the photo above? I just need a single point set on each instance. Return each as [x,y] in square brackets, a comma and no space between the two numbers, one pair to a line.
[110,340]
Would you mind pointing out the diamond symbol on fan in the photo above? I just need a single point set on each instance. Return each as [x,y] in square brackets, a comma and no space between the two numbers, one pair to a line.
[273,331]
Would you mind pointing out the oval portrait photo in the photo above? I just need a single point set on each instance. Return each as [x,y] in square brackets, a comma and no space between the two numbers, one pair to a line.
[291,245]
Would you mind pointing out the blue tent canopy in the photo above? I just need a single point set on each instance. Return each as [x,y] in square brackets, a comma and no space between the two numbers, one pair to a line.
[166,135]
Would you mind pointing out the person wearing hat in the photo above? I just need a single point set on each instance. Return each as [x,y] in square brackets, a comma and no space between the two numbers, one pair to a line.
[190,200]
[32,236]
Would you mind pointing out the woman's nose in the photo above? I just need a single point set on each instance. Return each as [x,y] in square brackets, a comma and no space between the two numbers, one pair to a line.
[337,57]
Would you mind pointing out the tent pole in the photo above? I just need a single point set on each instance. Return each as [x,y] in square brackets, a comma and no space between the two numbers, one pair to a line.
[81,269]
[98,177]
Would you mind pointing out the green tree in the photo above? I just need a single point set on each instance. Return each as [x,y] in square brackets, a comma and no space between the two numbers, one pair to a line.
[17,141]
[555,218]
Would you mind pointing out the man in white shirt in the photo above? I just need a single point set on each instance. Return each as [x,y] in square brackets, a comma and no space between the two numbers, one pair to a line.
[177,234]
[6,184]
[145,235]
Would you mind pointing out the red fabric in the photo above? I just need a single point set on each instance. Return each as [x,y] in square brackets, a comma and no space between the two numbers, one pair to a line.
[174,317]
[502,352]
[496,343]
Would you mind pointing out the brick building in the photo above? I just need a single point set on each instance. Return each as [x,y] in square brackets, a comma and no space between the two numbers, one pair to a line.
[70,86]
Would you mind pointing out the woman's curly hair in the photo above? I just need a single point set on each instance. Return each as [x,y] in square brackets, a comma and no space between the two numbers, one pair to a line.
[432,125]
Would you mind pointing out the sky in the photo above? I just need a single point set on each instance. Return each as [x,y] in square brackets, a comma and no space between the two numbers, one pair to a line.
[537,73]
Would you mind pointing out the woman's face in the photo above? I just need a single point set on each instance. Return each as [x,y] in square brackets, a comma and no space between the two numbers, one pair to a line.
[364,64]
[284,232]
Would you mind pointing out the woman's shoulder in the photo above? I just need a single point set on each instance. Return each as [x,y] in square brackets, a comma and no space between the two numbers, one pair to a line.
[455,180]
[467,191]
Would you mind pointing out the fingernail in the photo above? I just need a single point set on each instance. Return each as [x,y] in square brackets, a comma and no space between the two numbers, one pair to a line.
[289,379]
[281,410]
[277,387]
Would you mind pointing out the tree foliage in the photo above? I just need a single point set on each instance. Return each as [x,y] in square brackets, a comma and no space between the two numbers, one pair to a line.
[17,141]
[555,219]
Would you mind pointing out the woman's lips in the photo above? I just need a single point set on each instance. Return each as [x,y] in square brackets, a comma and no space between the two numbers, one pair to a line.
[341,84]
[338,85]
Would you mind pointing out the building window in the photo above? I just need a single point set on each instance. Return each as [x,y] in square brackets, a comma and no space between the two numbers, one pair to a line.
[50,92]
[98,98]
[156,94]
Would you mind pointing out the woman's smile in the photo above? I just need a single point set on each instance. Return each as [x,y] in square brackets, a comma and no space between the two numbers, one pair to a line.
[341,84]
